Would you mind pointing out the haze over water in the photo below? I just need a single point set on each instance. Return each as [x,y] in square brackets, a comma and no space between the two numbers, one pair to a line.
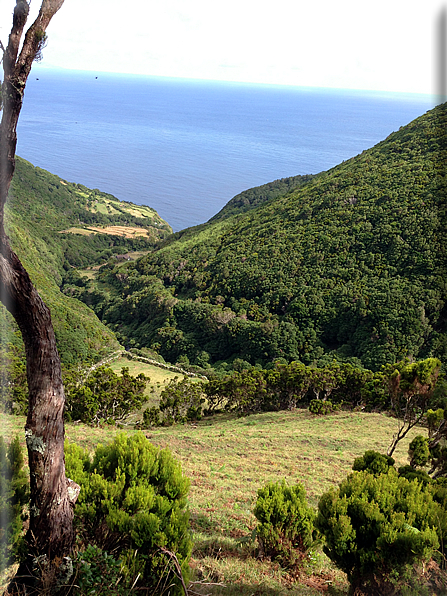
[187,147]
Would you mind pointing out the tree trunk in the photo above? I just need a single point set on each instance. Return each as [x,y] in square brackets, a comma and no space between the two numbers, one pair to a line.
[52,496]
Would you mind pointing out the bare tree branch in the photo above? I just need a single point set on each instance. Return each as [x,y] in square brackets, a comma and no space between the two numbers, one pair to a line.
[178,569]
[17,68]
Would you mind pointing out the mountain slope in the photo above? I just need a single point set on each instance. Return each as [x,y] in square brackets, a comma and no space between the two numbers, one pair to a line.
[253,197]
[40,211]
[349,265]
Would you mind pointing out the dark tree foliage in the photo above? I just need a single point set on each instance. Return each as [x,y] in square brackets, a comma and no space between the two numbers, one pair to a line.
[411,386]
[283,387]
[105,397]
[180,401]
[350,265]
[253,197]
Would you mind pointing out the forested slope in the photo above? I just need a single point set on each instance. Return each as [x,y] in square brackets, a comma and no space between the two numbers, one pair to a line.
[253,197]
[351,264]
[40,210]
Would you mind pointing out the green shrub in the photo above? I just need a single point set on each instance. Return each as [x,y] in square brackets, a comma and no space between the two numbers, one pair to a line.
[285,522]
[373,462]
[14,494]
[322,407]
[419,452]
[151,417]
[410,473]
[100,574]
[377,527]
[434,419]
[133,503]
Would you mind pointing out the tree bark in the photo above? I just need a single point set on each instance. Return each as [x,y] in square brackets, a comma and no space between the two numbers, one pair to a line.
[50,535]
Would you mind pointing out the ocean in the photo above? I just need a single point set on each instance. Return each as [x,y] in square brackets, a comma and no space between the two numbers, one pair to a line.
[186,147]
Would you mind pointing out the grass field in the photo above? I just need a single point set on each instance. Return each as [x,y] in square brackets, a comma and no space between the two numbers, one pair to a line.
[159,377]
[113,205]
[126,231]
[228,459]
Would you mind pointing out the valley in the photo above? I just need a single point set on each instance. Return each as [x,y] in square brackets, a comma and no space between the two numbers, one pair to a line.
[347,265]
[309,287]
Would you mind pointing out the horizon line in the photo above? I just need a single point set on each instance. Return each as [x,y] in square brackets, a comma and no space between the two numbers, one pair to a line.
[428,96]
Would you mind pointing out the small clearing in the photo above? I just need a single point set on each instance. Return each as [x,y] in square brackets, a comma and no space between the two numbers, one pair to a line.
[126,231]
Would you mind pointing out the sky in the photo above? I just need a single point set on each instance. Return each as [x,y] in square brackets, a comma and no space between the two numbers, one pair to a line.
[386,45]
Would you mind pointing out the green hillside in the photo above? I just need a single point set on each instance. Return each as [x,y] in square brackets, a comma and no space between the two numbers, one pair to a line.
[54,226]
[350,264]
[253,197]
[81,226]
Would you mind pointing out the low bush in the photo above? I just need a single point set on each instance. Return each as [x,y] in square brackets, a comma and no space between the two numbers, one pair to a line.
[373,462]
[99,573]
[323,407]
[419,452]
[14,495]
[377,527]
[133,503]
[411,473]
[285,523]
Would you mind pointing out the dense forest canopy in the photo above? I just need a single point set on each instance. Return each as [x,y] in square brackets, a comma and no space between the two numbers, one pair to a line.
[350,265]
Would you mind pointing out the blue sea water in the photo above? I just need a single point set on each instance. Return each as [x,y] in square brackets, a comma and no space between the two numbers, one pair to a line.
[187,147]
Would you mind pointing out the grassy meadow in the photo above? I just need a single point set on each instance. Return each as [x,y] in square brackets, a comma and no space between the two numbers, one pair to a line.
[126,231]
[228,459]
[157,375]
